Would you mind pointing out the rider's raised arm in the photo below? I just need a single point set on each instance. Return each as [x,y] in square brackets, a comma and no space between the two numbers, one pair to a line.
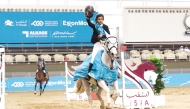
[90,23]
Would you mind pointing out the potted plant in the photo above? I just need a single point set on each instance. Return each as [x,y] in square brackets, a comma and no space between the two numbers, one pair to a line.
[94,89]
[158,63]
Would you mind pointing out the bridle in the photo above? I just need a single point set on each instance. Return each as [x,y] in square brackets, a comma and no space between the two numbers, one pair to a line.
[108,50]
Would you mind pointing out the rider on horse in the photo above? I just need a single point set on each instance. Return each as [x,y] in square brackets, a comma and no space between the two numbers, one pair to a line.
[43,67]
[98,36]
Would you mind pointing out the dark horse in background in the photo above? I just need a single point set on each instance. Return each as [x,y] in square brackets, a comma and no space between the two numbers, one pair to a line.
[40,78]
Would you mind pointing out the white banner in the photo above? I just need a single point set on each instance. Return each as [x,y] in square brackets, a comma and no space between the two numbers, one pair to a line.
[136,98]
[155,24]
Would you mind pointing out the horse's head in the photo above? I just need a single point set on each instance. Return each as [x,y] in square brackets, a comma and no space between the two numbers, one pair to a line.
[111,45]
[40,65]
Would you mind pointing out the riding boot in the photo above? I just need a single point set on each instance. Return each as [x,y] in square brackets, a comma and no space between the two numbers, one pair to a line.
[91,80]
[89,69]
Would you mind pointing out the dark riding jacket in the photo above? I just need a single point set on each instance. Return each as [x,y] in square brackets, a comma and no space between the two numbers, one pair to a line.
[43,63]
[95,34]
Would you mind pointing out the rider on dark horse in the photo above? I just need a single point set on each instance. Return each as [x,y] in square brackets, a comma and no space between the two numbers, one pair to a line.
[43,67]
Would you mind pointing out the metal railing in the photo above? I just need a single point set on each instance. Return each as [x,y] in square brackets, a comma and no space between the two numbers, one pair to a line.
[32,74]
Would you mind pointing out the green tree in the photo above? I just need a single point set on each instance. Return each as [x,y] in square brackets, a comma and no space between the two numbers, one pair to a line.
[158,63]
[93,88]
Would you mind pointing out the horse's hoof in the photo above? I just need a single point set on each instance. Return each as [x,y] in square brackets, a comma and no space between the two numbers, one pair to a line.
[114,97]
[102,107]
[108,108]
[102,104]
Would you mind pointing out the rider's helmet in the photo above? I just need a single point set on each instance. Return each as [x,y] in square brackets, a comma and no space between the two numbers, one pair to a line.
[89,11]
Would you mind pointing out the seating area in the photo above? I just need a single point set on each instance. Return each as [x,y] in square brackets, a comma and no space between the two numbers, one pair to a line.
[143,54]
[165,54]
[47,57]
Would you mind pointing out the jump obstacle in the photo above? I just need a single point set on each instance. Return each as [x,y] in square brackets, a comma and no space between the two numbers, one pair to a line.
[70,94]
[2,78]
[140,97]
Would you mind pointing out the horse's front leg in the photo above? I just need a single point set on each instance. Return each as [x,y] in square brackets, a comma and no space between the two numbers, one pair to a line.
[116,91]
[41,88]
[98,93]
[45,86]
[103,85]
[35,87]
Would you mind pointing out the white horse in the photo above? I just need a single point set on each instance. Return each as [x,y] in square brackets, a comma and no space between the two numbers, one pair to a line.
[150,75]
[109,54]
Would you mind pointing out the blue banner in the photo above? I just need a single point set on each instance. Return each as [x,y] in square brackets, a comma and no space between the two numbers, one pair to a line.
[44,27]
[27,84]
[177,79]
[58,83]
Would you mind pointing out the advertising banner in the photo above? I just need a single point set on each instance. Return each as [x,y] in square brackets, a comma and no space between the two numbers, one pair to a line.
[27,84]
[58,83]
[44,27]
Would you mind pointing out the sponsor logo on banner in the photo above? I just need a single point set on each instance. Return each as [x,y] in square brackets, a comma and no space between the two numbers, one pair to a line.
[63,34]
[37,23]
[17,84]
[21,23]
[51,23]
[54,83]
[35,34]
[72,23]
[9,23]
[29,84]
[45,23]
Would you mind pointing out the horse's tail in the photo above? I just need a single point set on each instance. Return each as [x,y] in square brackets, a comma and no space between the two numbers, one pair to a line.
[79,87]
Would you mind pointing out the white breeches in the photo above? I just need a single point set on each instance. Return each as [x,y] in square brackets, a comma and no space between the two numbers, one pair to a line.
[97,47]
[43,71]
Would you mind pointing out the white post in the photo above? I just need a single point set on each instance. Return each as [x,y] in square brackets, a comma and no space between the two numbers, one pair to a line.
[123,77]
[66,82]
[2,78]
